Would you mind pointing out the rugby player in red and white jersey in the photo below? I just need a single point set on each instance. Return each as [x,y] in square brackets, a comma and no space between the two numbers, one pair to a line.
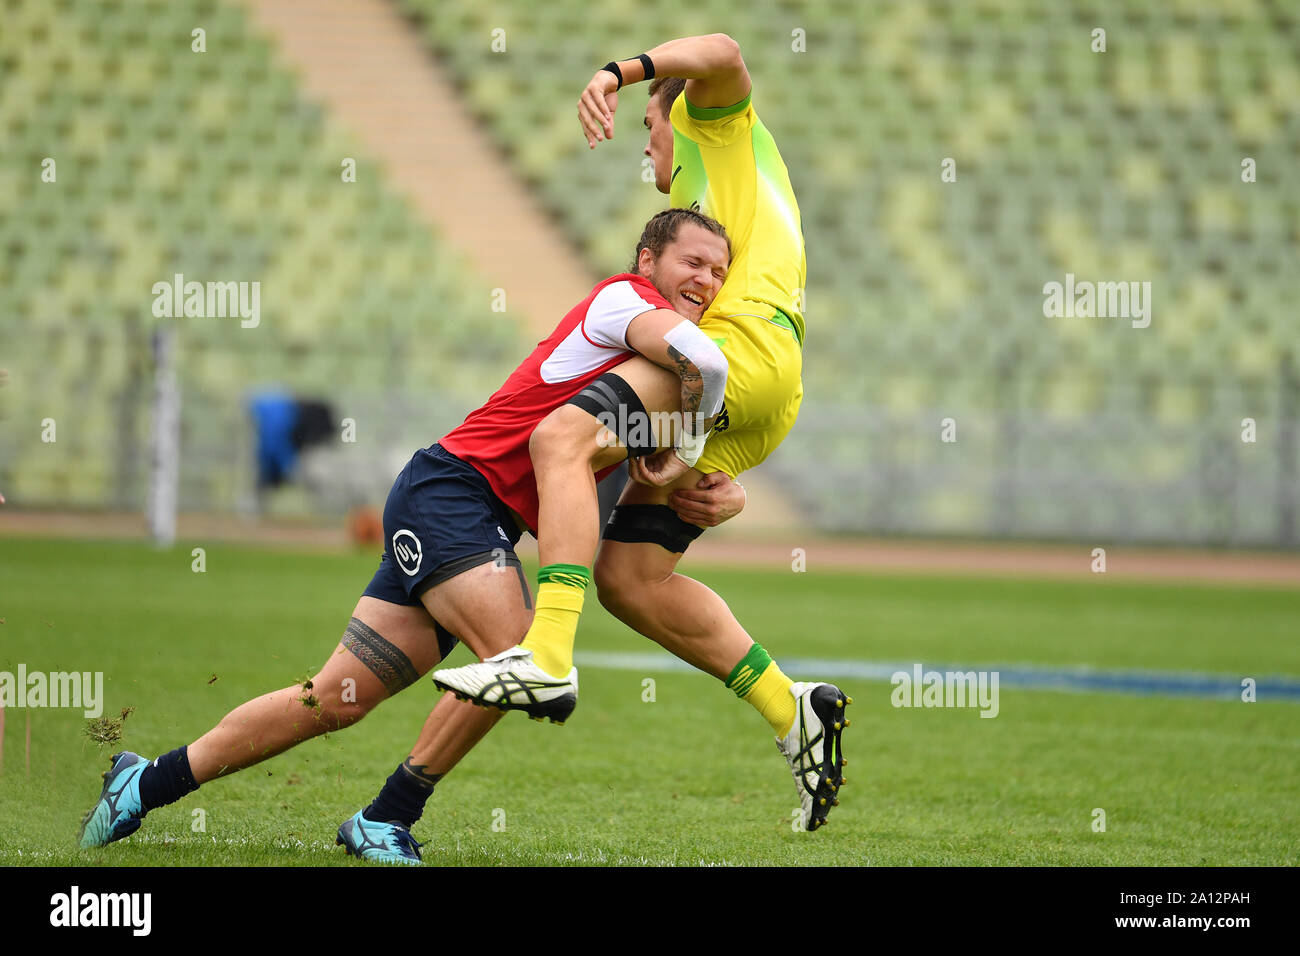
[685,258]
[449,571]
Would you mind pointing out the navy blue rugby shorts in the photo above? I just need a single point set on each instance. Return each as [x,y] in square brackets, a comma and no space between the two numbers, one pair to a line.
[441,519]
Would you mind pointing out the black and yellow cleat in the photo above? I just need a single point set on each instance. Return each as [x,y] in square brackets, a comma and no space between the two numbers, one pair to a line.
[812,749]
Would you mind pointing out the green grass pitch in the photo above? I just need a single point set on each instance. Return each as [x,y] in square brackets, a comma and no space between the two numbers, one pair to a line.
[692,777]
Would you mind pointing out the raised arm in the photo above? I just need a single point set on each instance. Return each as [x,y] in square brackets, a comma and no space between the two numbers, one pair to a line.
[712,66]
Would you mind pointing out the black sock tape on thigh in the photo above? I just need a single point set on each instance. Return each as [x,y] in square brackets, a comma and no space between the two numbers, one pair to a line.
[384,659]
[613,403]
[656,524]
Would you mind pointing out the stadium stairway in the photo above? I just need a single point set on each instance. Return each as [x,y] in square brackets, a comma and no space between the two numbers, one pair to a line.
[347,54]
[350,54]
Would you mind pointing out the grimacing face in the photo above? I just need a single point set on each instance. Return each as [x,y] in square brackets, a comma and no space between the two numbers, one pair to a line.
[660,146]
[690,271]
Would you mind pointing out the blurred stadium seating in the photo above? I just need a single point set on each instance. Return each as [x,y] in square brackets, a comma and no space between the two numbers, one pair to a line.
[209,165]
[924,301]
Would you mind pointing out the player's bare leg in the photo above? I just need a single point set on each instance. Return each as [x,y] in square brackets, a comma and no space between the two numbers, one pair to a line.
[269,724]
[401,646]
[489,608]
[343,692]
[397,645]
[637,581]
[566,450]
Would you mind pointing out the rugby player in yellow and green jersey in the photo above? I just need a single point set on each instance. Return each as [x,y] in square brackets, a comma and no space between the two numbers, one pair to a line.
[723,162]
[726,163]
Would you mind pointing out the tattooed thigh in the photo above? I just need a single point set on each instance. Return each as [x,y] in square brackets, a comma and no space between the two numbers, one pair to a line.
[383,658]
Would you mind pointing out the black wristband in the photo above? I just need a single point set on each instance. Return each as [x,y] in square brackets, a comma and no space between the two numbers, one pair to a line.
[648,65]
[612,67]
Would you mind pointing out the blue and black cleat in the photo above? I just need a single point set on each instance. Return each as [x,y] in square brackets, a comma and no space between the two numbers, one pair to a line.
[119,811]
[379,842]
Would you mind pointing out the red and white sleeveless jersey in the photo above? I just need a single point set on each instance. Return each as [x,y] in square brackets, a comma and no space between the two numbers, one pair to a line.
[590,341]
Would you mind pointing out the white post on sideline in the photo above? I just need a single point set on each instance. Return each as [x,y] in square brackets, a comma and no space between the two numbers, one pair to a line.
[164,476]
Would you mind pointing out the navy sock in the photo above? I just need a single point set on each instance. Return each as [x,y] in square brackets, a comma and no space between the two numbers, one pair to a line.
[403,798]
[167,779]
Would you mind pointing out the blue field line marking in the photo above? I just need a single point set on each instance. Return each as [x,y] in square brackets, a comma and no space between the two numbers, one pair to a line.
[1027,677]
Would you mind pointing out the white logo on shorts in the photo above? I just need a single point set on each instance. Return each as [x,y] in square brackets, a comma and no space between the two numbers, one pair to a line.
[502,533]
[409,554]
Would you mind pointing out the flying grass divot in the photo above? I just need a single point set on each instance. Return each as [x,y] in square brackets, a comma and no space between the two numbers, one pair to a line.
[107,730]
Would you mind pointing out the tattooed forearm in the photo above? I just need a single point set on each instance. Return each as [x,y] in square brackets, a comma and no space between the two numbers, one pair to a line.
[692,393]
[692,384]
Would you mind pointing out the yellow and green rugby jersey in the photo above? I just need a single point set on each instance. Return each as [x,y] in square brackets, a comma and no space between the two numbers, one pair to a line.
[726,165]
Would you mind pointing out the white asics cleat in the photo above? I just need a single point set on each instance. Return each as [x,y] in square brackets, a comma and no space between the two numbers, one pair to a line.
[812,749]
[511,681]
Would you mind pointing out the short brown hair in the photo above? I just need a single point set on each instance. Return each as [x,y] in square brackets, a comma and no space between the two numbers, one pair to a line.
[662,230]
[667,89]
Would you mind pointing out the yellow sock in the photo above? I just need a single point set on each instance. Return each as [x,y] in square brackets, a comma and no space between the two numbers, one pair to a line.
[560,592]
[759,681]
